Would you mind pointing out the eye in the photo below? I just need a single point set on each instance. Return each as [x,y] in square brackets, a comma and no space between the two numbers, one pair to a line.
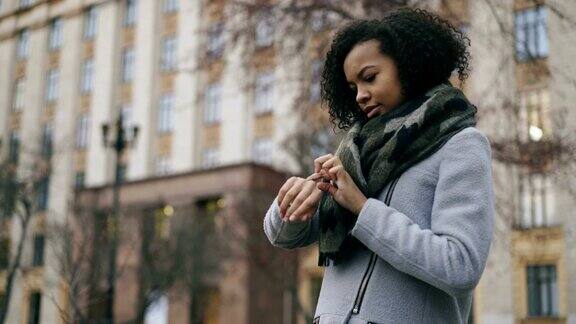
[370,78]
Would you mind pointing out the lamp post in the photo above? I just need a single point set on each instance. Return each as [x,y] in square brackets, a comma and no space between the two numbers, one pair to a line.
[123,139]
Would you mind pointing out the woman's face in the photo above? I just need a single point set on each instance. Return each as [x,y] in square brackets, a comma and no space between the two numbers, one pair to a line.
[373,76]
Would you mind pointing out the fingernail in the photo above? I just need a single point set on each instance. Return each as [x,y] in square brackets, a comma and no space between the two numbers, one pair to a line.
[292,218]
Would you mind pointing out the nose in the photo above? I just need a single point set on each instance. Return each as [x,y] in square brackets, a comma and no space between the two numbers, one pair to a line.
[362,96]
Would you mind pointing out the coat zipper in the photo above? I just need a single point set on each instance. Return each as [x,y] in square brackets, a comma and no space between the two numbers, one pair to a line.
[372,262]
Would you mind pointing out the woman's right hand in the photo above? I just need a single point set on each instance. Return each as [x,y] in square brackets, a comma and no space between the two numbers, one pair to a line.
[299,198]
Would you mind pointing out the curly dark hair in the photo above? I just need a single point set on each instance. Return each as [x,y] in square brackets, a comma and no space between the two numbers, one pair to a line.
[425,48]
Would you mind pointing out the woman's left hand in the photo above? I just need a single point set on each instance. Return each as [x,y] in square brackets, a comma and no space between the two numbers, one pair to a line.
[342,187]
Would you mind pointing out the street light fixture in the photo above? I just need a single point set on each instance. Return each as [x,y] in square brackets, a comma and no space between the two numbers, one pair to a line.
[124,138]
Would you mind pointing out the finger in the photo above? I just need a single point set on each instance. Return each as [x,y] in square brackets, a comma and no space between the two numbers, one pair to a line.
[301,197]
[336,171]
[325,176]
[319,161]
[282,192]
[327,187]
[308,207]
[314,177]
[290,195]
[332,162]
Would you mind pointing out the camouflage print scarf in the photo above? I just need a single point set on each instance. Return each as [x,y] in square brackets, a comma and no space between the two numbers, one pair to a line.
[377,150]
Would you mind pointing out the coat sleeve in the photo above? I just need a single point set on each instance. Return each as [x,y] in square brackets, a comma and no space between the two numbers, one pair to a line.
[289,235]
[452,254]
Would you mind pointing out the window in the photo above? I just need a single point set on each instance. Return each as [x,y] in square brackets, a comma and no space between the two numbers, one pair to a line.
[82,131]
[47,141]
[25,3]
[126,112]
[262,150]
[55,36]
[4,253]
[86,81]
[38,255]
[212,105]
[315,81]
[42,193]
[168,57]
[52,81]
[158,310]
[531,33]
[14,153]
[163,166]
[264,31]
[542,290]
[209,305]
[130,13]
[322,142]
[128,65]
[79,180]
[321,19]
[90,23]
[211,206]
[9,195]
[34,307]
[170,6]
[166,114]
[216,40]
[22,47]
[162,222]
[264,93]
[534,117]
[18,99]
[537,201]
[210,157]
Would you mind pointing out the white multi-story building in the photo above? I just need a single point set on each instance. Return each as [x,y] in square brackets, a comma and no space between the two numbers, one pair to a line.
[168,66]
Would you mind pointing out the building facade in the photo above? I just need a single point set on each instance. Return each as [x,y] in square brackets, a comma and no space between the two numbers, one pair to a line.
[210,85]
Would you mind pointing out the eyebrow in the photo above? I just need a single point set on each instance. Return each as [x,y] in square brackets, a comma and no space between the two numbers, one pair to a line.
[362,71]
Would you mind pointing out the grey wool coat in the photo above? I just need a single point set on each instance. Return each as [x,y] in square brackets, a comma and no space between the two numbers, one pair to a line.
[426,248]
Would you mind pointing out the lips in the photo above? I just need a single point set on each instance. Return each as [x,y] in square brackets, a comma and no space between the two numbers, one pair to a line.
[372,110]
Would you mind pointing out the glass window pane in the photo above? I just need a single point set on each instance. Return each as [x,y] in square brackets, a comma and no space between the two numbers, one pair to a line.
[90,23]
[520,35]
[19,88]
[264,92]
[130,13]
[264,30]
[55,38]
[212,108]
[128,65]
[542,32]
[170,6]
[216,41]
[168,56]
[22,46]
[210,157]
[542,291]
[166,114]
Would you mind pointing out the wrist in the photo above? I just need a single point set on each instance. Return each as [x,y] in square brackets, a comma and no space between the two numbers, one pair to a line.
[361,201]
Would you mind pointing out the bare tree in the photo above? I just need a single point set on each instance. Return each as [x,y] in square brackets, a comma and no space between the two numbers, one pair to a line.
[79,262]
[20,199]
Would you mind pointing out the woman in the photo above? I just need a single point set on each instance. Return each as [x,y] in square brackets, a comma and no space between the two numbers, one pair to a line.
[403,211]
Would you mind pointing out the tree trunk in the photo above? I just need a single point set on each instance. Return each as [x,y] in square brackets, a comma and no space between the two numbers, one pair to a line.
[13,268]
